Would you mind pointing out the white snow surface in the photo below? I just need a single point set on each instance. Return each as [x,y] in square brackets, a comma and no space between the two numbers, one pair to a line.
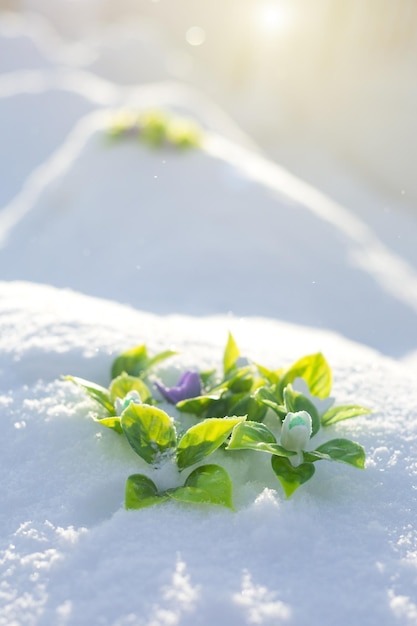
[108,246]
[342,550]
[240,233]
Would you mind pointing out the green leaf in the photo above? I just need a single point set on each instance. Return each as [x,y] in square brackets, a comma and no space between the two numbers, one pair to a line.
[124,383]
[161,356]
[184,133]
[345,412]
[291,477]
[203,439]
[96,392]
[237,381]
[153,127]
[256,436]
[209,484]
[149,431]
[133,362]
[141,492]
[207,376]
[268,397]
[315,370]
[295,402]
[136,361]
[272,376]
[220,408]
[249,406]
[231,354]
[344,451]
[312,456]
[112,422]
[199,405]
[249,435]
[240,382]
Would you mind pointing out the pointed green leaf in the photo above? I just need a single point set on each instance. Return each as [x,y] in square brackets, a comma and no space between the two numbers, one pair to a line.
[206,484]
[133,362]
[256,436]
[344,451]
[141,492]
[124,383]
[231,354]
[96,392]
[268,397]
[295,402]
[203,439]
[112,422]
[158,358]
[149,431]
[291,477]
[272,376]
[345,412]
[315,370]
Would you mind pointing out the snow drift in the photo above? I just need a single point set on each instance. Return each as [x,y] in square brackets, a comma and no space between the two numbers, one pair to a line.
[343,549]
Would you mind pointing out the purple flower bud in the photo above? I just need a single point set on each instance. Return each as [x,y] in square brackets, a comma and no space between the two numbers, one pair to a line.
[189,386]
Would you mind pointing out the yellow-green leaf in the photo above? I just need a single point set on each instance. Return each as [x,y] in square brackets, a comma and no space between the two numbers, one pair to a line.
[231,354]
[149,431]
[203,439]
[315,370]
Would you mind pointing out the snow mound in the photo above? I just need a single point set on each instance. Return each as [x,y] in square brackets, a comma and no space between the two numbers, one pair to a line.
[29,42]
[140,42]
[44,91]
[158,228]
[342,549]
[30,119]
[22,43]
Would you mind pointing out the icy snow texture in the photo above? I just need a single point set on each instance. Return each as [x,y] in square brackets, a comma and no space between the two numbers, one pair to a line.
[343,549]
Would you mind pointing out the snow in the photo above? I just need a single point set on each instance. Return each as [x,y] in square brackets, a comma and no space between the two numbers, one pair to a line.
[72,555]
[105,246]
[279,258]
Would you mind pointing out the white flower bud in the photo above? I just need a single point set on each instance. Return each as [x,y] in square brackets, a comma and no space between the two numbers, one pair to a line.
[295,434]
[122,403]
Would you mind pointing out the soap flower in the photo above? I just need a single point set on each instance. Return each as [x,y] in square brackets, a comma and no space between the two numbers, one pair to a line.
[295,434]
[188,386]
[122,403]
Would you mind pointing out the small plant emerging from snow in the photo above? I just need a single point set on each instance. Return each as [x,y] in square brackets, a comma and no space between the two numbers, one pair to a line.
[232,410]
[155,128]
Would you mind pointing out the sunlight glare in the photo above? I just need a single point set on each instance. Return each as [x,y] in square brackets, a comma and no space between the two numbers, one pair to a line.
[274,17]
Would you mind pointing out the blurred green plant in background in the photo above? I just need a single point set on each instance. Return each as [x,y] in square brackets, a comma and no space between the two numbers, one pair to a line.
[155,128]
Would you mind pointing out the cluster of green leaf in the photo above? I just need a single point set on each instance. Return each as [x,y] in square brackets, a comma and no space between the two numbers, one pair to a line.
[155,128]
[230,415]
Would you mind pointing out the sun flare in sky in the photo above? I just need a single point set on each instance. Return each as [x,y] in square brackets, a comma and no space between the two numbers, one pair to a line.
[275,17]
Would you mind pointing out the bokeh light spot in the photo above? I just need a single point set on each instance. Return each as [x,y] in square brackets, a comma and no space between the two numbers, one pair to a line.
[195,36]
